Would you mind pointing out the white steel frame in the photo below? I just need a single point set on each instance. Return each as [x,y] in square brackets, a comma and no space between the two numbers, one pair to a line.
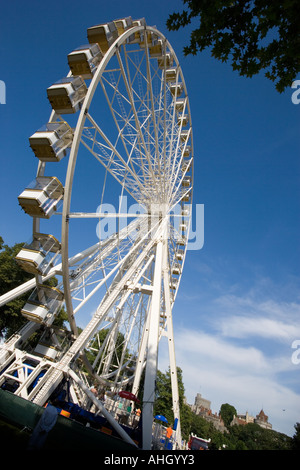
[149,169]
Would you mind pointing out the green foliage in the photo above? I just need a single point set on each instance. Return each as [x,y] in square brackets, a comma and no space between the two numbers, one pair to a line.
[227,413]
[255,35]
[201,427]
[11,276]
[163,402]
[296,438]
[255,437]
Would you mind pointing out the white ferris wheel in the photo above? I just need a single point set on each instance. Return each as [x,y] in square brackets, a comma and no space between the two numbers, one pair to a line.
[110,205]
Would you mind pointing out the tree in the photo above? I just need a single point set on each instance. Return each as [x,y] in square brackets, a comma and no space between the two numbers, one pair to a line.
[227,413]
[93,350]
[254,437]
[11,276]
[296,437]
[255,34]
[163,401]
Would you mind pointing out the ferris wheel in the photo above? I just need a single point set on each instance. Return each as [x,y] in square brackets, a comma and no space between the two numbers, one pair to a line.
[111,211]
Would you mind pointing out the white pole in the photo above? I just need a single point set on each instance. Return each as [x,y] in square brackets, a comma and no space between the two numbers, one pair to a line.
[171,347]
[123,434]
[152,351]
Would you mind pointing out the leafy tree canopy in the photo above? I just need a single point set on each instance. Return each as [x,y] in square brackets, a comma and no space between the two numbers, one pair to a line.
[163,401]
[254,34]
[253,437]
[11,276]
[227,413]
[296,437]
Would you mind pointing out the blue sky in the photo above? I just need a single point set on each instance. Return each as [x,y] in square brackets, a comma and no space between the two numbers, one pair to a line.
[237,311]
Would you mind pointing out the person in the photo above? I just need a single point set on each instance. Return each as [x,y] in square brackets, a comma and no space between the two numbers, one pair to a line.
[43,427]
[94,390]
[169,433]
[137,416]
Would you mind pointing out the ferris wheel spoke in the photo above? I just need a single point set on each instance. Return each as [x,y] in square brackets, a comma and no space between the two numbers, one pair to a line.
[113,162]
[179,152]
[108,301]
[154,118]
[137,122]
[128,322]
[130,343]
[143,110]
[132,142]
[115,257]
[124,119]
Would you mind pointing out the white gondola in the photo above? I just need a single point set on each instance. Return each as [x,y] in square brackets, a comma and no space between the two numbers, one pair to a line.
[187,165]
[46,351]
[174,283]
[176,90]
[176,269]
[185,212]
[43,304]
[136,38]
[179,255]
[84,60]
[67,94]
[179,104]
[103,34]
[146,36]
[171,74]
[167,60]
[122,25]
[41,197]
[52,141]
[38,256]
[186,182]
[182,241]
[183,120]
[186,197]
[156,49]
[184,135]
[187,151]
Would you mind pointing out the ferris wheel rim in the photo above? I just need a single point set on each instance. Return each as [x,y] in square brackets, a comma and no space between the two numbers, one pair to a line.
[75,147]
[141,277]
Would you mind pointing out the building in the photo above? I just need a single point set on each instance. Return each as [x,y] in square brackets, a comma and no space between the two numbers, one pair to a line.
[200,404]
[241,419]
[261,419]
[202,408]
